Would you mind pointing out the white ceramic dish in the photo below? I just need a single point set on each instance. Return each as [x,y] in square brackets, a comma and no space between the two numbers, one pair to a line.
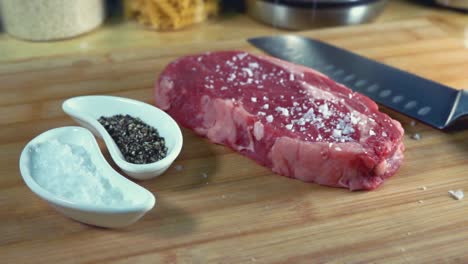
[103,216]
[86,110]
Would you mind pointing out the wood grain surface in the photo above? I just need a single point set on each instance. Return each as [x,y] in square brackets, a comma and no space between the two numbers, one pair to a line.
[117,34]
[241,212]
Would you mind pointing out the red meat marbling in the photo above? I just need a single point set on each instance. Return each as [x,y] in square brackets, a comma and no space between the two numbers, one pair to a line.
[290,118]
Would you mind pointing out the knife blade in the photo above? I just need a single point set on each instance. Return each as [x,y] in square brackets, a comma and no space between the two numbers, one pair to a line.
[427,101]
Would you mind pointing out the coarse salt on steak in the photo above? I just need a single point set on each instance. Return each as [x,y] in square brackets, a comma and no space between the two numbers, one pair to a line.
[290,118]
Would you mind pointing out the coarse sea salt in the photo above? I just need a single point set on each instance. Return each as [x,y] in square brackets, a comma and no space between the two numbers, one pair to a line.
[416,136]
[253,65]
[282,110]
[269,118]
[457,194]
[67,171]
[248,71]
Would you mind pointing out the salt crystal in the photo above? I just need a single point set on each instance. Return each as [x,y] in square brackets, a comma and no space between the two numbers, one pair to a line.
[269,118]
[261,113]
[348,130]
[416,136]
[204,175]
[354,119]
[282,110]
[309,115]
[384,134]
[253,65]
[338,149]
[253,99]
[457,195]
[371,133]
[289,126]
[300,121]
[242,55]
[224,88]
[266,106]
[325,111]
[248,71]
[231,77]
[68,172]
[291,77]
[336,133]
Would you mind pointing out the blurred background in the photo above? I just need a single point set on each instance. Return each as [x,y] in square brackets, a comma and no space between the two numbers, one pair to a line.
[31,28]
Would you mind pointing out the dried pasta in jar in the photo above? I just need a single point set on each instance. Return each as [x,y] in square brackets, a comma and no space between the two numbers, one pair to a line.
[170,14]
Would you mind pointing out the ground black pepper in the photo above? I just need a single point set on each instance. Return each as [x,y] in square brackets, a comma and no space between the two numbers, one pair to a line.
[139,142]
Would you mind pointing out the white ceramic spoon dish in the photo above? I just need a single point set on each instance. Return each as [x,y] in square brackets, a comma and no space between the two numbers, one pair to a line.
[86,110]
[99,215]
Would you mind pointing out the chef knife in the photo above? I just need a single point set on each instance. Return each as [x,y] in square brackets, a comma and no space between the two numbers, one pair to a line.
[427,101]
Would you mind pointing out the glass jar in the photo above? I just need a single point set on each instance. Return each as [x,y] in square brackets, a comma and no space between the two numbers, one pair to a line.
[42,20]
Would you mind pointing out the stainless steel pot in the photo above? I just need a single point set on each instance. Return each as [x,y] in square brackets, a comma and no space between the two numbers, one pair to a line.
[303,14]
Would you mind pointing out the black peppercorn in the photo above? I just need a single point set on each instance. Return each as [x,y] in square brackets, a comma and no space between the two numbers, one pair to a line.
[139,142]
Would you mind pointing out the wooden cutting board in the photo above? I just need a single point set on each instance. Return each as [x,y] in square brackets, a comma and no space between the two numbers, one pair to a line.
[241,212]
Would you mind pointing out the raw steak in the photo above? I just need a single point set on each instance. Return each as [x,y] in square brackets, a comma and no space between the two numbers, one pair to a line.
[292,119]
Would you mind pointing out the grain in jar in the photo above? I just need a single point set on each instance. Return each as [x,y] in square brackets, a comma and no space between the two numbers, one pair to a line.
[42,20]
